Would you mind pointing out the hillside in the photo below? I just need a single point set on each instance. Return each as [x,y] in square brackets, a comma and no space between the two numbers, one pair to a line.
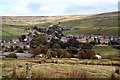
[13,26]
[103,24]
[32,20]
[104,19]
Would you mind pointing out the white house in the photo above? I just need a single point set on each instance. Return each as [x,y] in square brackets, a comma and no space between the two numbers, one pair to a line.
[98,56]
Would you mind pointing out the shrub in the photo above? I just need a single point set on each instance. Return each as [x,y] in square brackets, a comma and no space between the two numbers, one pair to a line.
[87,54]
[37,50]
[117,71]
[54,54]
[20,50]
[42,61]
[49,56]
[12,55]
[113,76]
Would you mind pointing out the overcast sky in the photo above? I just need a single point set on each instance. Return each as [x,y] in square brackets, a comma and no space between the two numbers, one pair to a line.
[55,7]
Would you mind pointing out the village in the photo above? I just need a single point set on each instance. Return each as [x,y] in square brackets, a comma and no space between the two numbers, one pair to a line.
[51,42]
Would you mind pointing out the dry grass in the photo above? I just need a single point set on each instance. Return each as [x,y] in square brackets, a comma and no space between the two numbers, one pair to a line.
[78,74]
[58,68]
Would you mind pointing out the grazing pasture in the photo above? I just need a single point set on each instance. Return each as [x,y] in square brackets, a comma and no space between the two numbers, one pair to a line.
[107,52]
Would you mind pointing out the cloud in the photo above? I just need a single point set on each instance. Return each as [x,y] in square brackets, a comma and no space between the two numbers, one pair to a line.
[55,7]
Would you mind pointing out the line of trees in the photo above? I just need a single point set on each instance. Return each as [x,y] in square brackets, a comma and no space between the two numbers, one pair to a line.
[57,48]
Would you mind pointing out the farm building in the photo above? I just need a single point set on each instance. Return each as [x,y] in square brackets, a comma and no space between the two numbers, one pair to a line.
[19,55]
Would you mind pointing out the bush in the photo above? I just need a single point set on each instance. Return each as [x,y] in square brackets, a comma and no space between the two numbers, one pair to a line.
[117,71]
[49,56]
[20,50]
[54,54]
[87,54]
[12,55]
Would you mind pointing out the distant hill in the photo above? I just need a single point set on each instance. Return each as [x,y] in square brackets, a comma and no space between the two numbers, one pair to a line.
[32,20]
[98,20]
[101,24]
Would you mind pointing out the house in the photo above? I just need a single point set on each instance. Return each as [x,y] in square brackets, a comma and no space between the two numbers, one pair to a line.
[67,28]
[98,56]
[24,55]
[83,40]
[104,41]
[64,39]
[8,45]
[1,44]
[77,36]
[41,56]
[22,45]
[19,55]
[90,39]
[49,37]
[16,40]
[27,46]
[74,58]
[25,33]
[5,54]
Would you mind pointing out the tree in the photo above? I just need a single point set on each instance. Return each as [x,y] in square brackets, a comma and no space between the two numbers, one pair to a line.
[87,54]
[44,49]
[37,51]
[54,54]
[93,43]
[49,54]
[56,46]
[62,44]
[72,50]
[12,55]
[22,37]
[73,42]
[37,40]
[86,46]
[54,41]
[12,48]
[60,53]
[35,27]
[20,50]
[81,54]
[66,54]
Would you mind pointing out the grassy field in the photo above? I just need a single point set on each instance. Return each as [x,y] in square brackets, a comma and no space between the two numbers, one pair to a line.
[107,25]
[107,21]
[107,52]
[9,32]
[64,68]
[88,31]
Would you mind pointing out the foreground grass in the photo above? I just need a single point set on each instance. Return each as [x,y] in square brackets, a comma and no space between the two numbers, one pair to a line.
[59,68]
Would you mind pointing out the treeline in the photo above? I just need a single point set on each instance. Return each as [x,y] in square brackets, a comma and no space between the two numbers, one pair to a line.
[57,48]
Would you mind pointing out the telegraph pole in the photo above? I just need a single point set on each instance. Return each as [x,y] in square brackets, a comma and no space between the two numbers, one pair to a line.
[28,71]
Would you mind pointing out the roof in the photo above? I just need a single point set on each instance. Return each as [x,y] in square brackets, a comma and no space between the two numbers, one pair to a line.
[5,53]
[22,55]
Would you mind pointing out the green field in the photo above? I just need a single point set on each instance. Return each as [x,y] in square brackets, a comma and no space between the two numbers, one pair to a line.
[9,32]
[88,31]
[107,52]
[107,21]
[101,25]
[105,25]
